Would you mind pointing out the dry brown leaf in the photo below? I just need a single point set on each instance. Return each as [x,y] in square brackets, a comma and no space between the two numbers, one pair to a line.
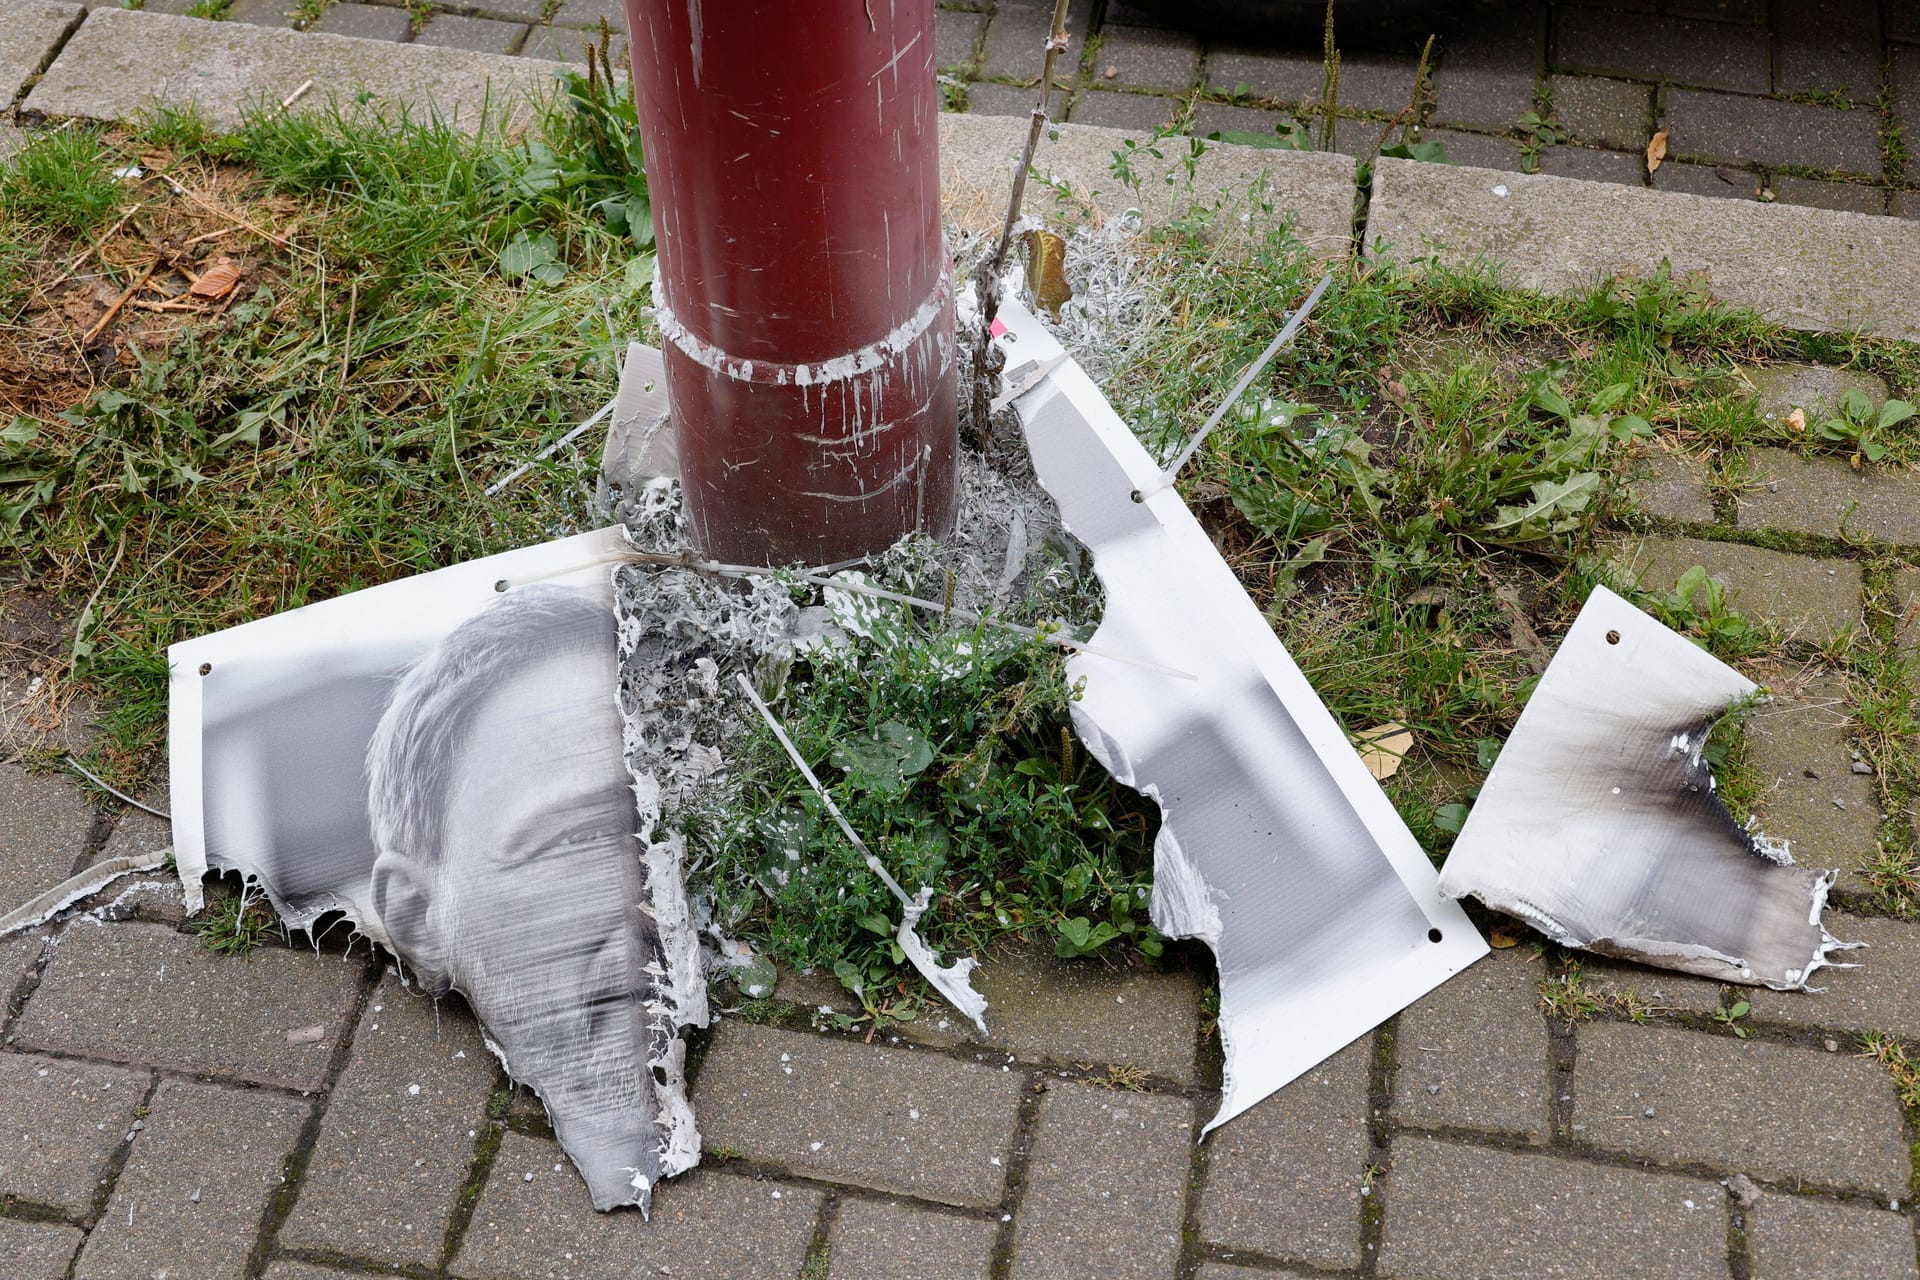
[1797,420]
[1656,151]
[217,281]
[1499,938]
[1383,747]
[1047,270]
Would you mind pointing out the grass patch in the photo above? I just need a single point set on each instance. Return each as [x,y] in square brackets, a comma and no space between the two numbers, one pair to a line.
[330,424]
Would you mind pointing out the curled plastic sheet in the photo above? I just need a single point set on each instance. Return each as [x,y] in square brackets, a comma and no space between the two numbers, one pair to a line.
[1277,846]
[1600,824]
[439,759]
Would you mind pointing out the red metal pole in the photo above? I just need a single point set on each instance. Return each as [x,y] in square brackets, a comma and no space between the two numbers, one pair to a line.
[804,291]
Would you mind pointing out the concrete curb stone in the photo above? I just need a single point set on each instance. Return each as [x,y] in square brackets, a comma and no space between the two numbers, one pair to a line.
[1822,270]
[44,822]
[118,59]
[1672,486]
[31,32]
[978,155]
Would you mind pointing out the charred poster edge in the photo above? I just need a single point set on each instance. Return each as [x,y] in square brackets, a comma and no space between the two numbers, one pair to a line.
[1601,803]
[1345,1003]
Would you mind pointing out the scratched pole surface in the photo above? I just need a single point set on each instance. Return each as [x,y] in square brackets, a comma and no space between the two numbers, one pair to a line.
[804,292]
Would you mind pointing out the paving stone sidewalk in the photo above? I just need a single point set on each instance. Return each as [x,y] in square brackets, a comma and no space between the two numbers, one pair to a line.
[1804,102]
[297,1114]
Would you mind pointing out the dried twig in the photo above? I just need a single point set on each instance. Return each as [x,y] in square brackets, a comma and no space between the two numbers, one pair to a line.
[119,302]
[296,95]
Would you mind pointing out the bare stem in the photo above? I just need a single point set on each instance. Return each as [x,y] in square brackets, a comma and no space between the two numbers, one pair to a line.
[989,271]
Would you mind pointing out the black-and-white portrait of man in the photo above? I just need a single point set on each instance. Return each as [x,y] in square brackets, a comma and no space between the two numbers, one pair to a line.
[507,868]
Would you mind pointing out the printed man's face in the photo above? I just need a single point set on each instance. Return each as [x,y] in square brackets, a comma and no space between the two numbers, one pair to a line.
[536,905]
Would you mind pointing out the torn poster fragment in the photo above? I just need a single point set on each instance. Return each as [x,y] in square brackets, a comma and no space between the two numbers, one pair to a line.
[1600,824]
[1277,846]
[440,760]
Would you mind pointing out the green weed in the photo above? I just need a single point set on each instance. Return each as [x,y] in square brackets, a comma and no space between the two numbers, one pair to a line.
[235,925]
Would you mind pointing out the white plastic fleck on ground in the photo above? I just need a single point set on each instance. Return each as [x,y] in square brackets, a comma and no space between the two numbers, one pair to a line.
[413,1091]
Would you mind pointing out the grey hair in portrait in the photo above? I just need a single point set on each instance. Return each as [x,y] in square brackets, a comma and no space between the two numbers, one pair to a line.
[411,756]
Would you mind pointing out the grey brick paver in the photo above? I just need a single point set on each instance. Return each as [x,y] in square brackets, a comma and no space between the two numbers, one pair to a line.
[1827,497]
[1043,1008]
[1227,1271]
[590,14]
[1016,39]
[17,953]
[1672,486]
[1825,45]
[568,44]
[302,1271]
[1148,58]
[1612,113]
[1693,53]
[1721,181]
[1906,624]
[1801,1238]
[1624,167]
[956,36]
[1264,73]
[999,100]
[28,37]
[59,1122]
[1778,389]
[1727,127]
[366,21]
[1473,1053]
[398,1137]
[1808,598]
[1105,1186]
[37,1250]
[1378,82]
[1745,1106]
[1881,994]
[1468,1213]
[1848,197]
[260,13]
[1139,112]
[1284,1178]
[1661,988]
[44,822]
[200,1176]
[1486,78]
[895,1120]
[1212,117]
[1475,149]
[143,993]
[485,35]
[1797,746]
[876,1240]
[714,1226]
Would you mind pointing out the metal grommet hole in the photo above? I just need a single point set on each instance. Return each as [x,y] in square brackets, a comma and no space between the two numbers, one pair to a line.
[1613,637]
[500,585]
[206,668]
[1433,935]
